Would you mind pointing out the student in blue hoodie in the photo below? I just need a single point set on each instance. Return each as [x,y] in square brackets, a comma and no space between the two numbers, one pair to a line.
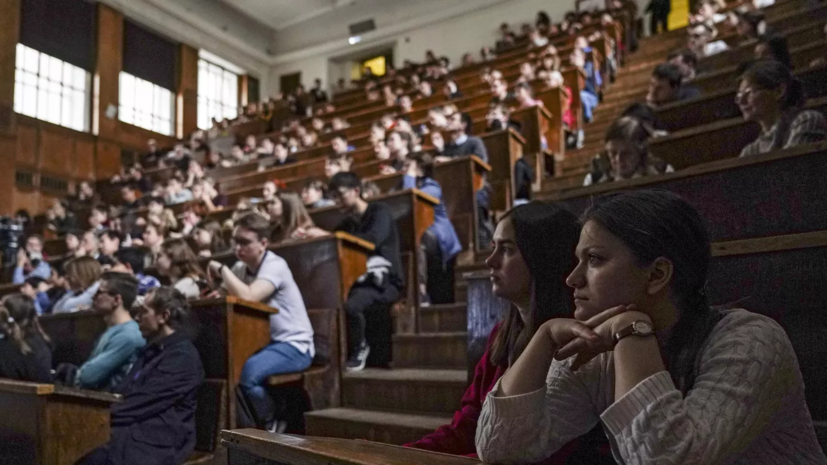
[440,243]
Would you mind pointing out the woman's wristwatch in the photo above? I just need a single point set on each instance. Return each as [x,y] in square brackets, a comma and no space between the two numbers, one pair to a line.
[640,328]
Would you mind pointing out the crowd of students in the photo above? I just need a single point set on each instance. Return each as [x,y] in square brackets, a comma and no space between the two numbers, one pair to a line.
[632,293]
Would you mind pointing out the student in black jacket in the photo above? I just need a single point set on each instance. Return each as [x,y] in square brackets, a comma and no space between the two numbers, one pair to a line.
[25,354]
[381,286]
[155,423]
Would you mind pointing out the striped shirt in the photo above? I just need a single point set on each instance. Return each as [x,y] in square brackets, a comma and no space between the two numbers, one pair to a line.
[806,127]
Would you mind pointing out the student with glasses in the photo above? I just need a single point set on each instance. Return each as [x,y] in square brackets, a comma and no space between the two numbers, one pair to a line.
[118,346]
[769,95]
[262,276]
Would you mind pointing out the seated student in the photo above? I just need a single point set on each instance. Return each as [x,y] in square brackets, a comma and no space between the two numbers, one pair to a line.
[589,94]
[99,217]
[178,263]
[701,41]
[313,195]
[25,354]
[627,150]
[440,243]
[771,47]
[176,192]
[769,95]
[381,286]
[648,358]
[533,244]
[163,217]
[405,104]
[153,239]
[337,164]
[260,275]
[750,25]
[460,144]
[129,197]
[499,118]
[340,146]
[499,89]
[73,244]
[290,219]
[110,242]
[155,423]
[117,348]
[399,145]
[82,276]
[451,90]
[665,86]
[687,63]
[91,245]
[209,240]
[30,261]
[525,96]
[132,261]
[61,220]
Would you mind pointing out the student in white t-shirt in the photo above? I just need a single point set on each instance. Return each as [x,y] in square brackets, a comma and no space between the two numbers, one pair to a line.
[262,276]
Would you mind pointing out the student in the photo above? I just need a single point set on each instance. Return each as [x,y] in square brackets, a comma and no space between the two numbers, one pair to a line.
[665,86]
[440,243]
[117,348]
[381,286]
[772,47]
[110,242]
[649,358]
[209,240]
[132,261]
[30,261]
[460,143]
[627,150]
[291,220]
[687,63]
[155,423]
[153,239]
[177,262]
[769,95]
[82,275]
[337,164]
[25,354]
[313,195]
[61,220]
[533,244]
[260,275]
[36,287]
[399,144]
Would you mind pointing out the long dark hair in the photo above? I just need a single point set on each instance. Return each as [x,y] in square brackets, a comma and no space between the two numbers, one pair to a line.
[18,321]
[657,223]
[770,75]
[546,236]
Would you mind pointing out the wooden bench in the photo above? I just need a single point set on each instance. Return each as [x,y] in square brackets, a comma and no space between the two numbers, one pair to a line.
[43,424]
[248,447]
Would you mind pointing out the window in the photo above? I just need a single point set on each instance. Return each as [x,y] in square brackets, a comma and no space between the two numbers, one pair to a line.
[145,104]
[217,93]
[50,89]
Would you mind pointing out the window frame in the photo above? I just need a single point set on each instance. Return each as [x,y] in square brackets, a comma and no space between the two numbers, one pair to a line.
[144,108]
[61,91]
[207,104]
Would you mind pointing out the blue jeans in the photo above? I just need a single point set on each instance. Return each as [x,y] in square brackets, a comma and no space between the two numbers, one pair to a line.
[590,102]
[277,358]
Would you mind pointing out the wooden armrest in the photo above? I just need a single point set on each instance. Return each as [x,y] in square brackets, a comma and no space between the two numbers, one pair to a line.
[287,378]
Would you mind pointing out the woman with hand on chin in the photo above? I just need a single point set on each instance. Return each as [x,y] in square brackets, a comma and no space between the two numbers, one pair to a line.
[533,254]
[672,380]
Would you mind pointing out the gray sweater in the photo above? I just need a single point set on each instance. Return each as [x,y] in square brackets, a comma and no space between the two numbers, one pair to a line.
[747,407]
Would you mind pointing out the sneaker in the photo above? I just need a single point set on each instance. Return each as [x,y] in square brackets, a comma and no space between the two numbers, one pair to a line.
[356,362]
[277,426]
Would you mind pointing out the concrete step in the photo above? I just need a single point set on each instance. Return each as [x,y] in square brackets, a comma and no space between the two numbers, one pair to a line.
[431,350]
[387,427]
[405,390]
[448,318]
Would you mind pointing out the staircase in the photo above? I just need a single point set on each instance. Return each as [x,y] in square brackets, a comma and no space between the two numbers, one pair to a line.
[418,395]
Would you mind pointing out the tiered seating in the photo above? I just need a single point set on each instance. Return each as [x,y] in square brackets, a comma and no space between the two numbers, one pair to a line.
[770,236]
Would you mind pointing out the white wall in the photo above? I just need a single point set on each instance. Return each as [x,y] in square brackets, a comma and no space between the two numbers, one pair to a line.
[452,36]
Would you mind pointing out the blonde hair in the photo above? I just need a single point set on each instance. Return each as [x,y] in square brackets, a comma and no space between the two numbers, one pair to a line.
[83,270]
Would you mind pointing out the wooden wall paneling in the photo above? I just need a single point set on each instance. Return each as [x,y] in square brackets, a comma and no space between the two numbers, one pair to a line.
[107,159]
[109,62]
[9,35]
[187,100]
[27,145]
[84,159]
[7,150]
[26,198]
[56,152]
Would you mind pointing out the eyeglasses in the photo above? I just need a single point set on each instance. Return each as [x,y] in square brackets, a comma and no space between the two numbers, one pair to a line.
[746,93]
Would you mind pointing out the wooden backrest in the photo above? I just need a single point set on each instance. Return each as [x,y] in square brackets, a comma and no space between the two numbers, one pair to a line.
[325,335]
[210,414]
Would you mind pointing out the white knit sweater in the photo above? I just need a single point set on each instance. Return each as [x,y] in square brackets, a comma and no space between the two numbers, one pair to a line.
[746,407]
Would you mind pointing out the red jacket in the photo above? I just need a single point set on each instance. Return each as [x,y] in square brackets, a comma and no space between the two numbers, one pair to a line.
[458,437]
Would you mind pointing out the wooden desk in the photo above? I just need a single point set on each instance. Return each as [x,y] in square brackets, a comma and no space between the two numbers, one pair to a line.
[8,288]
[47,425]
[248,447]
[504,149]
[73,335]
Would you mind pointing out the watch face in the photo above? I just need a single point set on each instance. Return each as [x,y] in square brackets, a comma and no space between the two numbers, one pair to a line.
[642,327]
